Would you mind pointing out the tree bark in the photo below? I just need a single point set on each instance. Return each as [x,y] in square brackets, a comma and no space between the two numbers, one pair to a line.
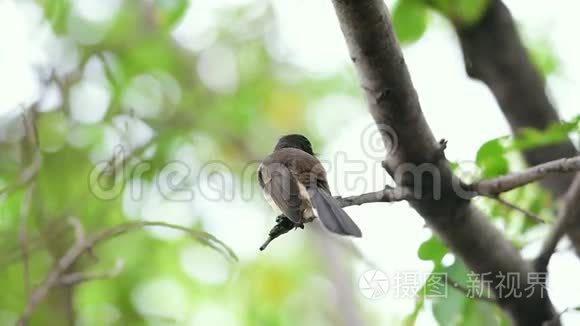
[393,102]
[494,54]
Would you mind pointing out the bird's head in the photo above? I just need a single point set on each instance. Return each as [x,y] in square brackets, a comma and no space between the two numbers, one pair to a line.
[295,141]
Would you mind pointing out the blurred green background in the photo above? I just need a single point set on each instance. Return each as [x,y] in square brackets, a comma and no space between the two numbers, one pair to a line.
[213,84]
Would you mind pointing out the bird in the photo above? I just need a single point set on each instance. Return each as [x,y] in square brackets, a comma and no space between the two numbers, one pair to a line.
[294,182]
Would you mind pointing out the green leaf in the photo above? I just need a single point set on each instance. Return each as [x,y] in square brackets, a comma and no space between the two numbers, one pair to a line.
[148,55]
[170,12]
[491,158]
[448,310]
[52,130]
[478,313]
[410,19]
[467,12]
[433,250]
[554,134]
[458,309]
[544,58]
[56,12]
[470,11]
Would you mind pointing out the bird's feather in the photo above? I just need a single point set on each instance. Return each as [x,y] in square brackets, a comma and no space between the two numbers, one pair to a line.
[282,188]
[332,216]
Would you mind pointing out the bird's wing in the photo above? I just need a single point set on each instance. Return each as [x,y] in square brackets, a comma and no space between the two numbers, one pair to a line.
[279,183]
[310,173]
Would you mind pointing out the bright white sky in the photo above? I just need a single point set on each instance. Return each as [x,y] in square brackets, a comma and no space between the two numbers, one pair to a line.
[458,109]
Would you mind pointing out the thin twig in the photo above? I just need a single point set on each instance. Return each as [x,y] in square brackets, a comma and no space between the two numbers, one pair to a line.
[489,188]
[27,174]
[79,230]
[30,146]
[389,194]
[52,279]
[120,159]
[201,236]
[30,125]
[23,237]
[77,278]
[34,243]
[527,213]
[556,320]
[25,177]
[469,294]
[569,212]
[84,244]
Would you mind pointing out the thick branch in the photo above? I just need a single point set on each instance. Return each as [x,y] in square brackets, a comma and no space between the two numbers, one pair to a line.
[494,54]
[394,104]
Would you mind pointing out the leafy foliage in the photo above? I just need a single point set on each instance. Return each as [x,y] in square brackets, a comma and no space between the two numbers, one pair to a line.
[544,58]
[456,308]
[161,102]
[465,12]
[491,159]
[494,158]
[410,19]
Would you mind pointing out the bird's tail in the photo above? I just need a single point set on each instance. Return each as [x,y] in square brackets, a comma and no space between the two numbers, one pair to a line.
[332,216]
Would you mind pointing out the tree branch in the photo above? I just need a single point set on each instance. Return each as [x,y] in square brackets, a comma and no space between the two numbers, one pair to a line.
[387,195]
[491,188]
[84,244]
[23,237]
[393,102]
[494,187]
[493,53]
[78,277]
[454,284]
[30,148]
[569,213]
[519,209]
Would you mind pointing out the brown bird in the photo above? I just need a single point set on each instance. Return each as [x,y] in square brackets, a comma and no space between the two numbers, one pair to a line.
[294,181]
